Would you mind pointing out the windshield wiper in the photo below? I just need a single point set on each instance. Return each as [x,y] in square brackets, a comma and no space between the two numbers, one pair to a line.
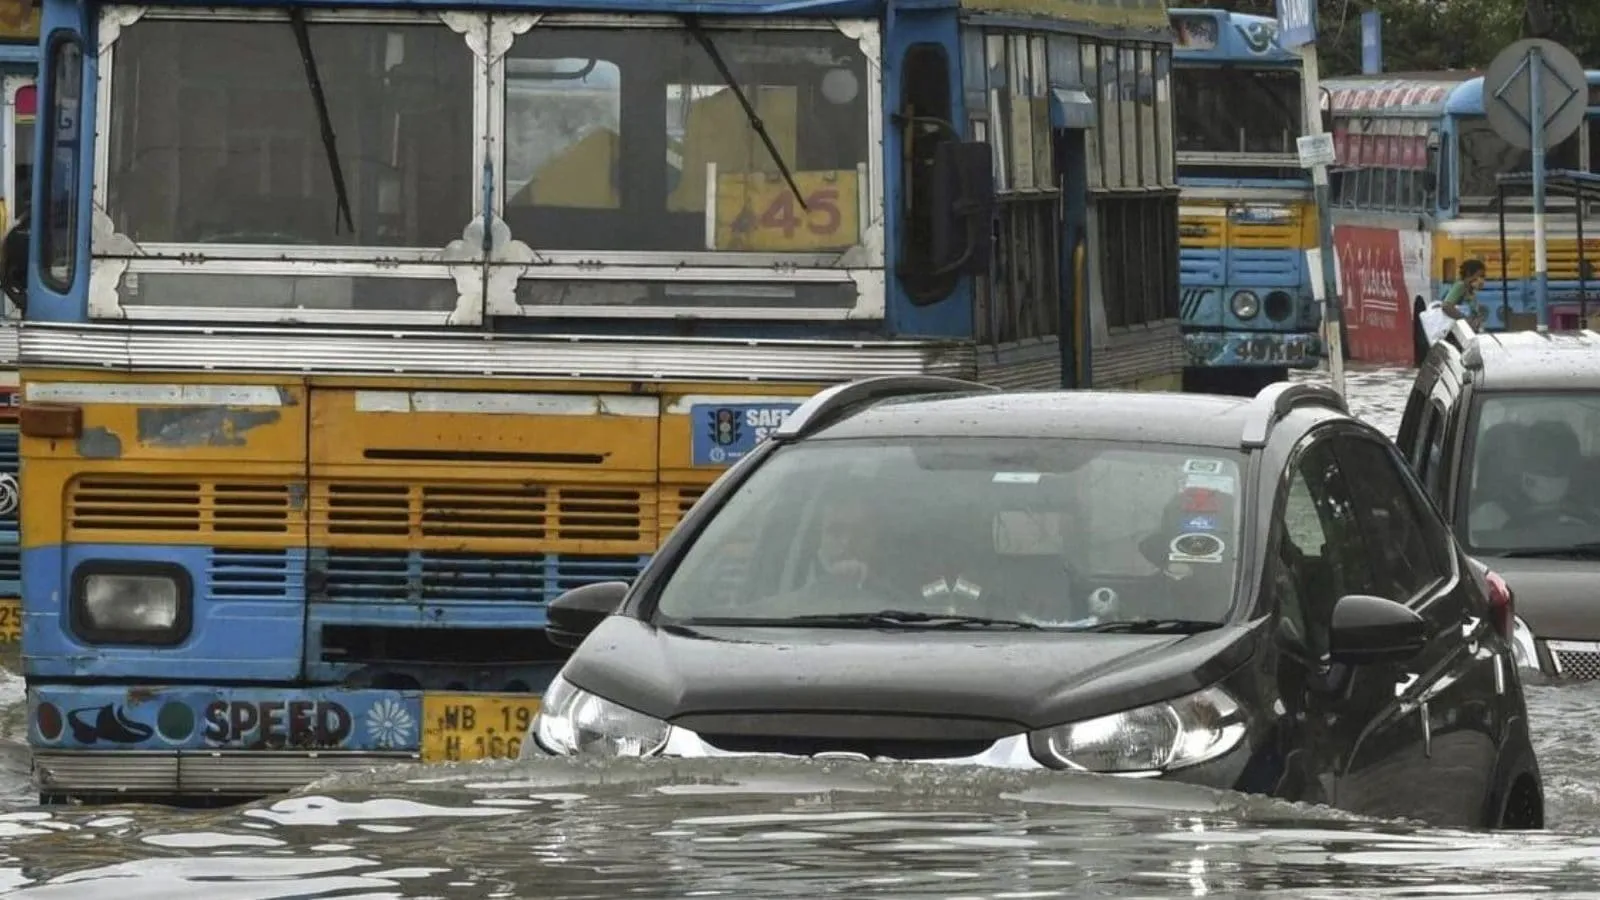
[1586,550]
[1154,626]
[297,21]
[750,114]
[894,617]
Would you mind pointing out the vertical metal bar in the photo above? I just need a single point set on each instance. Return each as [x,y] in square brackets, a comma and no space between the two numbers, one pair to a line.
[1580,196]
[1505,258]
[1541,274]
[1332,307]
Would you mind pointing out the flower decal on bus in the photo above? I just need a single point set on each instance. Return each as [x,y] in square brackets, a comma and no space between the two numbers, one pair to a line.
[390,724]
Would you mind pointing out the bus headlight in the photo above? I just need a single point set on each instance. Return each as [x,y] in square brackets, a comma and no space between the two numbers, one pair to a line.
[1245,304]
[133,604]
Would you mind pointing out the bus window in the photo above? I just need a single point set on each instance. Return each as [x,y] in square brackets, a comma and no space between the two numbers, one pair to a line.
[1485,155]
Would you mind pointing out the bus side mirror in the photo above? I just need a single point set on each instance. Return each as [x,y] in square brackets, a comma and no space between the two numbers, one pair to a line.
[1327,121]
[14,265]
[963,200]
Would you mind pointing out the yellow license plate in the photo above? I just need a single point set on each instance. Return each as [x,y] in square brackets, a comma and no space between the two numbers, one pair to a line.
[464,727]
[10,620]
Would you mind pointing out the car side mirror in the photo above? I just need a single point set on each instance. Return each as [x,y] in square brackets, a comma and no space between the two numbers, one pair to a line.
[963,198]
[1369,630]
[14,265]
[579,611]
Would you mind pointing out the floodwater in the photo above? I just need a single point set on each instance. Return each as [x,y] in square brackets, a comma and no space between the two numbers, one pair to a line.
[769,829]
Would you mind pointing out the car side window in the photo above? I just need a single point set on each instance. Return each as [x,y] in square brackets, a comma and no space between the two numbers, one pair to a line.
[1320,555]
[1416,408]
[1424,456]
[1394,519]
[1433,460]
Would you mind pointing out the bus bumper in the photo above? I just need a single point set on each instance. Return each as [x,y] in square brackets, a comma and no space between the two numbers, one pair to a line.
[1253,349]
[191,741]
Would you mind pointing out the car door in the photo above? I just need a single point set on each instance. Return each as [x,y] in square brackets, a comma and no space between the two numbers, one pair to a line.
[1315,555]
[1429,751]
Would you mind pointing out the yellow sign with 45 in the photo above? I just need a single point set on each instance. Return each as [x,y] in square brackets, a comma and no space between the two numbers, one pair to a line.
[758,212]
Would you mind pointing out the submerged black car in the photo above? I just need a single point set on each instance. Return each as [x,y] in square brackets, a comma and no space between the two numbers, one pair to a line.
[1243,593]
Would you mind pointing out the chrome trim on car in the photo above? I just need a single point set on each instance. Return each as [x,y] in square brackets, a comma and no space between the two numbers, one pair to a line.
[169,773]
[367,351]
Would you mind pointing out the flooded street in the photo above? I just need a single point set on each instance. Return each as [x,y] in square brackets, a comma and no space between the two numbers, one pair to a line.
[779,829]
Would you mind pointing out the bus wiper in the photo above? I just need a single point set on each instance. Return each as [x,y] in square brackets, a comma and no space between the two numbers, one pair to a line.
[750,114]
[297,21]
[1154,626]
[897,617]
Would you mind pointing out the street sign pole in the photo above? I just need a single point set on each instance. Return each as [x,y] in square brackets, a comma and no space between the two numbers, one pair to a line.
[1541,267]
[1297,27]
[1535,94]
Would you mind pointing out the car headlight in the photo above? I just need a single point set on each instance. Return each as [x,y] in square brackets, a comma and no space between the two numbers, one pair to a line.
[574,722]
[132,606]
[1245,304]
[1150,739]
[1524,648]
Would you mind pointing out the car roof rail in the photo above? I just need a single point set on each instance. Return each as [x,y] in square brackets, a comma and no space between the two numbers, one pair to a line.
[1462,337]
[1276,401]
[835,403]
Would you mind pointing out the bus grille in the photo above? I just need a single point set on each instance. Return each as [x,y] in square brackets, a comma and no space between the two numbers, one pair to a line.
[625,520]
[421,577]
[102,506]
[1562,257]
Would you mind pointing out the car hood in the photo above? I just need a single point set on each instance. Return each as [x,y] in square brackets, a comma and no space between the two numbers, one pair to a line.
[1028,679]
[1558,598]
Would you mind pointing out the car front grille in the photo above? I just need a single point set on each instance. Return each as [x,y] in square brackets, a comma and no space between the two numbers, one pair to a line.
[1577,660]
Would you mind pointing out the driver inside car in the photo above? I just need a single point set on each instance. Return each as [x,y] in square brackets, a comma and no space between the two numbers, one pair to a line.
[1548,455]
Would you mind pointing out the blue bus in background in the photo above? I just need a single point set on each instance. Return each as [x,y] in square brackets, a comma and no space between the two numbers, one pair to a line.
[1247,214]
[1416,193]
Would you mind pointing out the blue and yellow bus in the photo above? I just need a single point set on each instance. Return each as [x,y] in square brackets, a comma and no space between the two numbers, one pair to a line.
[1249,313]
[19,55]
[1415,195]
[354,335]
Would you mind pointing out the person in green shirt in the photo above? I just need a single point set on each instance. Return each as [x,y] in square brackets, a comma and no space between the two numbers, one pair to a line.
[1462,300]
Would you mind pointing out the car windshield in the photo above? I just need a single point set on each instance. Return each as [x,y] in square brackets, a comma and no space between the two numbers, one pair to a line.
[1041,533]
[1532,485]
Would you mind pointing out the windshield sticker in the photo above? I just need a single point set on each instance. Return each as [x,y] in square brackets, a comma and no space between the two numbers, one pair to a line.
[1203,467]
[1016,478]
[935,589]
[1223,483]
[1102,603]
[721,434]
[1200,500]
[1201,523]
[1195,547]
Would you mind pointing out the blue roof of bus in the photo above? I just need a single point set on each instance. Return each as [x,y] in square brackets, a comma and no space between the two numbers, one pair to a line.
[1144,19]
[1467,100]
[1425,94]
[1221,37]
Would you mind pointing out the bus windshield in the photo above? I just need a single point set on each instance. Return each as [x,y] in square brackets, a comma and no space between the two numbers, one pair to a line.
[1485,155]
[596,162]
[1237,110]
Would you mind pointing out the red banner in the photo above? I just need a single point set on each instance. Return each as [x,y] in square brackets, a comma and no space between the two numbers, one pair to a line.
[1377,310]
